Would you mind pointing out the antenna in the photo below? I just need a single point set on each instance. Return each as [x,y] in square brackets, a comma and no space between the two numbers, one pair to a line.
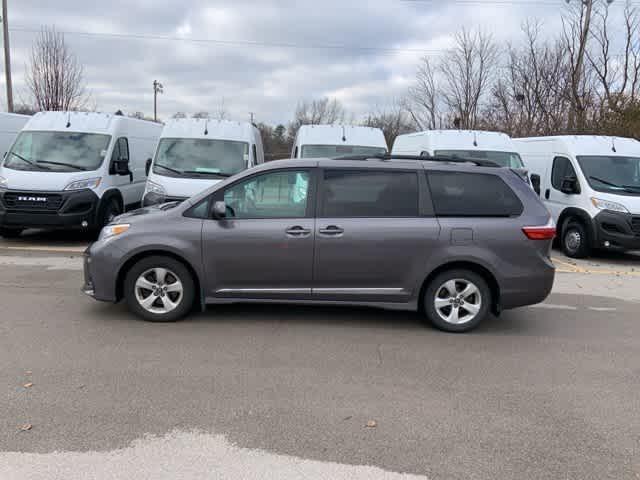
[206,124]
[613,145]
[68,119]
[475,139]
[344,134]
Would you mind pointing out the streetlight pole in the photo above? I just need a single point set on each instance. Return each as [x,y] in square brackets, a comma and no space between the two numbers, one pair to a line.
[7,57]
[157,88]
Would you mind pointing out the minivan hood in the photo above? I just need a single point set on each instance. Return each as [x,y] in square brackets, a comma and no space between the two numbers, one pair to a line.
[182,187]
[146,213]
[42,181]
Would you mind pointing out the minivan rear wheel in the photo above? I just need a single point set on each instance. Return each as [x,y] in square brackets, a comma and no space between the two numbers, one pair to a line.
[457,300]
[159,289]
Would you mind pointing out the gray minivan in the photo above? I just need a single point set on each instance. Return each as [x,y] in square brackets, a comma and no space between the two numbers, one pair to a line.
[452,239]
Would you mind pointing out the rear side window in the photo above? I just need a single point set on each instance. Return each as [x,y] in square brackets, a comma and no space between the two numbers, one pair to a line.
[562,168]
[369,193]
[461,194]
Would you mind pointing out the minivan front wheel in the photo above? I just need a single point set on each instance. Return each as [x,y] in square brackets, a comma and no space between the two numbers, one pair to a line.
[159,289]
[457,300]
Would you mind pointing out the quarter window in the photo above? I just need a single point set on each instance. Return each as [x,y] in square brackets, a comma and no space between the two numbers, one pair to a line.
[281,194]
[460,194]
[369,193]
[562,168]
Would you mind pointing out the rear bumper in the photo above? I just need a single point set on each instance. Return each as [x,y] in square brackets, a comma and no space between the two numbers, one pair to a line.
[69,210]
[531,288]
[617,231]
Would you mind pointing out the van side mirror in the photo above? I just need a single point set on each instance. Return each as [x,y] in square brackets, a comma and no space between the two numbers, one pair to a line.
[535,182]
[147,167]
[219,209]
[121,166]
[570,185]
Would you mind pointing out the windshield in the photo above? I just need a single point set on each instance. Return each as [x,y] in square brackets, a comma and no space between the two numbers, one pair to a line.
[57,151]
[504,159]
[200,157]
[612,174]
[333,151]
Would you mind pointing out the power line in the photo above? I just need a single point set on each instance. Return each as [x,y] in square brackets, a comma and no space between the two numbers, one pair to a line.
[526,3]
[245,43]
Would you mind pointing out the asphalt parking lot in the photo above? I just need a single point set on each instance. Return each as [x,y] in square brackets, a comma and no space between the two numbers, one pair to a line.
[548,392]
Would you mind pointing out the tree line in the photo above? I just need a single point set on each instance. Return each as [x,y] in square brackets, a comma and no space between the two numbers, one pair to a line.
[583,79]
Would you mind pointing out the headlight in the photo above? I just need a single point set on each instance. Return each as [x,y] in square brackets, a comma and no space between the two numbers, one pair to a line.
[155,188]
[608,205]
[84,184]
[3,182]
[113,230]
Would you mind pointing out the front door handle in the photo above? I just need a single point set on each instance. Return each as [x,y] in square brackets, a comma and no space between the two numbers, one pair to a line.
[297,231]
[547,193]
[331,230]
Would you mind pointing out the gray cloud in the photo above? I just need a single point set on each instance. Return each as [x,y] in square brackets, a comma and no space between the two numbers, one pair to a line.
[268,80]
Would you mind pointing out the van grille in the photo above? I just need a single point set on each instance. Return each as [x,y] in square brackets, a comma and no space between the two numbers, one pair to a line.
[33,201]
[635,224]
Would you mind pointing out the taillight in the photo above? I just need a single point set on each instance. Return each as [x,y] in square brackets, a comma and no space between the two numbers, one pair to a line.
[544,232]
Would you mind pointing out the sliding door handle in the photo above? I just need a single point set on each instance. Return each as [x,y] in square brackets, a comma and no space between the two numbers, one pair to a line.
[331,230]
[297,231]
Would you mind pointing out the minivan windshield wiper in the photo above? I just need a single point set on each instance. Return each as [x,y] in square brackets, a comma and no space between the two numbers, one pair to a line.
[631,188]
[26,160]
[198,172]
[169,169]
[62,164]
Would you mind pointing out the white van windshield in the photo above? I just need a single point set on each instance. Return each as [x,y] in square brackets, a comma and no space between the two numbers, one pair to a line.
[57,151]
[612,174]
[333,151]
[195,157]
[504,159]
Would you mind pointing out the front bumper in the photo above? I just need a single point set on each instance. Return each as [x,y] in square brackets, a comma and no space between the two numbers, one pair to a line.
[101,267]
[617,231]
[29,209]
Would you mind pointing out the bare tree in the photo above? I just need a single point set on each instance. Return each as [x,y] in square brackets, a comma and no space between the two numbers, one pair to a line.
[201,115]
[393,122]
[317,112]
[221,112]
[54,75]
[421,102]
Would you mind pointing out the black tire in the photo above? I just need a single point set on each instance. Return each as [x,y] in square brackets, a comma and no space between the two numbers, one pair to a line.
[434,290]
[176,269]
[574,240]
[109,211]
[10,232]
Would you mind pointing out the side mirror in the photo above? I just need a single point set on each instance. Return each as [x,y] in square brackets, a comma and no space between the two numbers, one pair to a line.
[535,183]
[570,186]
[121,166]
[219,209]
[147,167]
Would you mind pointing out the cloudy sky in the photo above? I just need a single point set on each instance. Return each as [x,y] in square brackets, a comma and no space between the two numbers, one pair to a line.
[258,56]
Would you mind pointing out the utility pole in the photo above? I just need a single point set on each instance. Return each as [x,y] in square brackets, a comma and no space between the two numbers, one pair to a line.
[251,114]
[157,88]
[7,57]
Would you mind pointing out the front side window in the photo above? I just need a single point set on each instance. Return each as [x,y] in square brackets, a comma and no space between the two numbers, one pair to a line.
[334,151]
[504,159]
[57,151]
[369,193]
[198,157]
[562,169]
[461,194]
[612,174]
[280,194]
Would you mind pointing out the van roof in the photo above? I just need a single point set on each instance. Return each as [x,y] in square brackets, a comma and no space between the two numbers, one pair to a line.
[334,134]
[90,122]
[454,139]
[578,145]
[216,129]
[12,122]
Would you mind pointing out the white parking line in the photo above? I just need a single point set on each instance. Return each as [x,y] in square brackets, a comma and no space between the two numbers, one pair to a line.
[603,309]
[552,306]
[35,248]
[49,263]
[183,455]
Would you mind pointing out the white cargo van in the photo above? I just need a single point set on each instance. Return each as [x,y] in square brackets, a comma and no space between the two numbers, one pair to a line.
[477,145]
[194,154]
[74,170]
[331,141]
[591,186]
[10,126]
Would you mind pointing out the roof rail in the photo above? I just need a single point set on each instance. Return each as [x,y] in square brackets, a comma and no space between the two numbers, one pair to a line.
[387,157]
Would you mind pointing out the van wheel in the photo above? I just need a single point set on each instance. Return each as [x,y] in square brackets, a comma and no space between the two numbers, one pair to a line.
[457,301]
[10,232]
[110,210]
[575,240]
[159,289]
